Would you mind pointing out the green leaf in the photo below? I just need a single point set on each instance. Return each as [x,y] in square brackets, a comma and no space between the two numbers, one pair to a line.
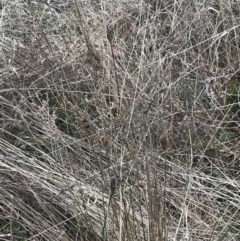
[228,135]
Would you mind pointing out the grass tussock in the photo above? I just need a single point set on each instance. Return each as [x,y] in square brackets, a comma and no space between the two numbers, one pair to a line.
[119,120]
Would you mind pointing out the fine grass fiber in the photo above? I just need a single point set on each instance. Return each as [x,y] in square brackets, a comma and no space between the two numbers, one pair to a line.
[120,120]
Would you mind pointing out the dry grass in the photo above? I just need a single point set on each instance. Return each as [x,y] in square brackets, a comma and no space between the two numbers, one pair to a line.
[140,94]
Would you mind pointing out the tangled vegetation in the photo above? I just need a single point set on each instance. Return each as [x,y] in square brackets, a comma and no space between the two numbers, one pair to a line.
[120,120]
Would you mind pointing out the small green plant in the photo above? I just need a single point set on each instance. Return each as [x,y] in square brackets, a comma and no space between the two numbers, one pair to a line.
[7,227]
[234,98]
